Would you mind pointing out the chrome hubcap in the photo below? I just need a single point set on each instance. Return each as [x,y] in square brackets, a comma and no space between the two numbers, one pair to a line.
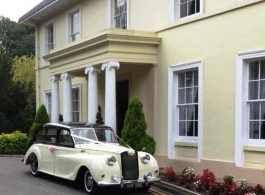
[88,181]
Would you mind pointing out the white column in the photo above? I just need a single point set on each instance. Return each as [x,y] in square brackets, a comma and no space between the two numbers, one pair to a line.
[67,97]
[92,95]
[54,80]
[110,93]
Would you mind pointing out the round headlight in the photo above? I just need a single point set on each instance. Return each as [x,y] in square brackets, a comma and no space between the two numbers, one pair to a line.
[146,158]
[111,160]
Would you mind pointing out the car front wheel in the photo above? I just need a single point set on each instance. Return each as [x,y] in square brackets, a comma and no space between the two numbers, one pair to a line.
[89,182]
[34,165]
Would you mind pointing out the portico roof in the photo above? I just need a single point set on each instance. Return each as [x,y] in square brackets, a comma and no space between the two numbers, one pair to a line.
[125,46]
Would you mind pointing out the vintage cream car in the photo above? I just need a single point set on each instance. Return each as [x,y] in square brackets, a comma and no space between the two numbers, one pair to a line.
[89,154]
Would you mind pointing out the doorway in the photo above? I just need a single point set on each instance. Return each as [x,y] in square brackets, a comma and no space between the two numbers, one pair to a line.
[122,100]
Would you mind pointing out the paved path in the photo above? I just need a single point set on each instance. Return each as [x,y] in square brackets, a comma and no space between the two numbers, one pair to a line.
[16,179]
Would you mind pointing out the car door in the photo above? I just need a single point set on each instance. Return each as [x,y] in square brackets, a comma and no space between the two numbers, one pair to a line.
[65,163]
[47,151]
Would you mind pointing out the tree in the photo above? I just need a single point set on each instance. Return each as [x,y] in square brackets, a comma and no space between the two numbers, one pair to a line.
[23,70]
[99,117]
[134,129]
[41,118]
[12,97]
[16,39]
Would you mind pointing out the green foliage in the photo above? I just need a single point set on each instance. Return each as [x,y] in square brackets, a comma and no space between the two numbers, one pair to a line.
[41,118]
[12,98]
[14,143]
[99,117]
[16,39]
[134,129]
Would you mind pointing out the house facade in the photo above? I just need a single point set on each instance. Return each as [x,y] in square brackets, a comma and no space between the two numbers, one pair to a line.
[197,66]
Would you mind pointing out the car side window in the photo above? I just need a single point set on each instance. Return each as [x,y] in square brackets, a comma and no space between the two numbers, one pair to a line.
[65,138]
[47,135]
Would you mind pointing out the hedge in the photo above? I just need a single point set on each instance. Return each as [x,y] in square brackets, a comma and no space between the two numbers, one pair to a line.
[14,143]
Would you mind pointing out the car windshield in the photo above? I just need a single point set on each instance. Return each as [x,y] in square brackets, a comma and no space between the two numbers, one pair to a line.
[86,135]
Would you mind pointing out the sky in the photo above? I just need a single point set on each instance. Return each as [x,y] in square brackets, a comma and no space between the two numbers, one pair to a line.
[14,9]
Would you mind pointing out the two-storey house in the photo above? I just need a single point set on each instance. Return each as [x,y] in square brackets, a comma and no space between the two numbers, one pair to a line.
[197,66]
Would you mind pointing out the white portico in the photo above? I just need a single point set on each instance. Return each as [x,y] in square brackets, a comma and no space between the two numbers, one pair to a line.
[95,63]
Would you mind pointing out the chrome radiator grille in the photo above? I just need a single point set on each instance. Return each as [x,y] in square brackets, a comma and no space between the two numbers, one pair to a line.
[130,167]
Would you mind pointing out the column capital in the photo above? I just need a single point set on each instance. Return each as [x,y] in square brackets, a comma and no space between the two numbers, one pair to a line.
[66,76]
[109,65]
[91,70]
[54,78]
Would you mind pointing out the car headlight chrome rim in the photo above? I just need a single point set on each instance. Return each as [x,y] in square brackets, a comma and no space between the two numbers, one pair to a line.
[111,160]
[115,177]
[146,158]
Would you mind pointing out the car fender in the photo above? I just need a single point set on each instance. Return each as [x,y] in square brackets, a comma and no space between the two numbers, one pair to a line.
[151,166]
[97,164]
[33,149]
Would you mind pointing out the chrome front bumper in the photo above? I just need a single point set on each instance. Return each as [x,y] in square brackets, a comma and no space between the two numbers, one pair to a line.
[122,182]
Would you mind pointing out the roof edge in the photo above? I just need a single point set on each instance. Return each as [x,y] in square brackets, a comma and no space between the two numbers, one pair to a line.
[35,10]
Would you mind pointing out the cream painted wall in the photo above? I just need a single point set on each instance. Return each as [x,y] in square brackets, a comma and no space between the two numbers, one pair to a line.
[94,16]
[215,5]
[215,41]
[148,15]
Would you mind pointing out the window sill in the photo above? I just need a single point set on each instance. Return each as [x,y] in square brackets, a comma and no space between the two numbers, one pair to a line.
[189,143]
[254,148]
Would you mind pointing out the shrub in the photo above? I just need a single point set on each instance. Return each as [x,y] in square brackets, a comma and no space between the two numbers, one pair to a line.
[186,177]
[41,118]
[99,116]
[134,129]
[170,174]
[207,178]
[14,143]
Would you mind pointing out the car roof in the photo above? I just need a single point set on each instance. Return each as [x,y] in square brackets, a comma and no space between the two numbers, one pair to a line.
[76,124]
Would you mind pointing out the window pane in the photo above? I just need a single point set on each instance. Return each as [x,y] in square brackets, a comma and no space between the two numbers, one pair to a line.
[196,112]
[181,80]
[191,7]
[253,90]
[254,130]
[183,10]
[254,111]
[182,112]
[262,69]
[254,71]
[195,77]
[183,1]
[190,112]
[196,128]
[190,128]
[189,95]
[262,130]
[197,6]
[189,79]
[182,128]
[262,89]
[262,104]
[181,96]
[195,95]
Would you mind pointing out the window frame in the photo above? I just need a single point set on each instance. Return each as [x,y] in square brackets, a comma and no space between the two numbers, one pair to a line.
[242,107]
[46,93]
[45,36]
[74,87]
[175,10]
[111,14]
[69,14]
[173,129]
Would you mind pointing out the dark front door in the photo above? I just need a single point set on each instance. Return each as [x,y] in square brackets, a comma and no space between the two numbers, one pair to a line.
[122,95]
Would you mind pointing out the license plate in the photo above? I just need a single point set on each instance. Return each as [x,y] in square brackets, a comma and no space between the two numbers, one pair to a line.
[133,185]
